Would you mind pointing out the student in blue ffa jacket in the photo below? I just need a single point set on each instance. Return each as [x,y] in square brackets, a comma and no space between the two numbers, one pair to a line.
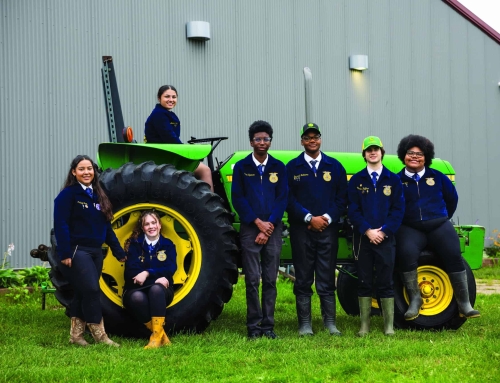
[376,208]
[317,200]
[431,200]
[164,127]
[82,223]
[149,276]
[259,193]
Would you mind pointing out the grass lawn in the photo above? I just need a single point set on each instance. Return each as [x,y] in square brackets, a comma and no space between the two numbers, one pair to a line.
[34,348]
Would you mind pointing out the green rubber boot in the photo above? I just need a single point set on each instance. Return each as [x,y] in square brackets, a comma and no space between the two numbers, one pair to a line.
[365,308]
[303,304]
[388,313]
[461,291]
[410,281]
[328,312]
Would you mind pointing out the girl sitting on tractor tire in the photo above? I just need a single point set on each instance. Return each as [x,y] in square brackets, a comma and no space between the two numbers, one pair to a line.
[149,272]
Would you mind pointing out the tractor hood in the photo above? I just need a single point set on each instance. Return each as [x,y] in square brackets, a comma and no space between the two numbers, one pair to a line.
[182,156]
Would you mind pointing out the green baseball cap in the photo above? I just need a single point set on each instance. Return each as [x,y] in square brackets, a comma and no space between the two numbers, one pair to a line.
[371,141]
[309,126]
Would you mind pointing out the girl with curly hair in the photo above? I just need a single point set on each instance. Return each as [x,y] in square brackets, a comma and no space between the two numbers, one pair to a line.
[149,272]
[431,200]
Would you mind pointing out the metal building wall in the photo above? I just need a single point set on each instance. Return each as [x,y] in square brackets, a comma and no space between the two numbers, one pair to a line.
[431,72]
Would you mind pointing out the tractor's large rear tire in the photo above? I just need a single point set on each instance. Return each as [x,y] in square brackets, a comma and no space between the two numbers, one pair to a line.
[439,310]
[196,221]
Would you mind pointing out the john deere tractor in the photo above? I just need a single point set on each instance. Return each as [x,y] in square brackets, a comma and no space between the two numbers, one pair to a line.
[204,227]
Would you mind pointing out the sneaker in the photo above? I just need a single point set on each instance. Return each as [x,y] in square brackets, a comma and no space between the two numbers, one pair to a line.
[270,334]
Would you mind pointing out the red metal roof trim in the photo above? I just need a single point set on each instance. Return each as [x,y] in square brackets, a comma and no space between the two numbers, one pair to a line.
[460,8]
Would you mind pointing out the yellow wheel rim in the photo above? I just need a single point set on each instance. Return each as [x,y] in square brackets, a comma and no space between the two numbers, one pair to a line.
[435,289]
[174,227]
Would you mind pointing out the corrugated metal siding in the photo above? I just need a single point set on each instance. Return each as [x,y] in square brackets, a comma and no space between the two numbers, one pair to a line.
[431,72]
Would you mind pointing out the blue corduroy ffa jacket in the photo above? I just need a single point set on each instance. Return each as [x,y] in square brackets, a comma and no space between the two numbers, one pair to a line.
[370,207]
[254,197]
[434,196]
[324,194]
[160,263]
[162,127]
[78,221]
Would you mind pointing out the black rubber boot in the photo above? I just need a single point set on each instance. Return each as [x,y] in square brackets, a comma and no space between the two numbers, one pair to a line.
[328,312]
[410,280]
[365,308]
[461,291]
[388,313]
[304,315]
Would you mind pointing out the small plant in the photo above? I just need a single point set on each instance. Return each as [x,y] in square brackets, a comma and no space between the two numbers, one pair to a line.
[6,254]
[34,276]
[19,293]
[9,278]
[494,249]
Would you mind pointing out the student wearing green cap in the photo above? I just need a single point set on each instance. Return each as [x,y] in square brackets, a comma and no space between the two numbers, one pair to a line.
[317,200]
[376,209]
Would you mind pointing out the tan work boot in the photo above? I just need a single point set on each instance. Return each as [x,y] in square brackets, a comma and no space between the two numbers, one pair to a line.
[76,332]
[164,338]
[158,337]
[99,334]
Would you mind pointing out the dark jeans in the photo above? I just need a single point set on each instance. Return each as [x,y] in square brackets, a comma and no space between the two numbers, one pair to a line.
[438,234]
[314,253]
[257,258]
[148,302]
[83,276]
[380,257]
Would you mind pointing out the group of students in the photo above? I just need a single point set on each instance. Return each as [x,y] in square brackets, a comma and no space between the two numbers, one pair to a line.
[394,216]
[391,214]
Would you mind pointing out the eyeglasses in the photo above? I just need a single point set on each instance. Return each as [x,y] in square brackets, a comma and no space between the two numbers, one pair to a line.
[411,153]
[260,139]
[311,138]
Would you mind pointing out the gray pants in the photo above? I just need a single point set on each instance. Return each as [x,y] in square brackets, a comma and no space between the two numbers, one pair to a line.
[257,258]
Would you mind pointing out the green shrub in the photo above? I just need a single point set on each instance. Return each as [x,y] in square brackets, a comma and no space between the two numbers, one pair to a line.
[34,276]
[9,278]
[494,249]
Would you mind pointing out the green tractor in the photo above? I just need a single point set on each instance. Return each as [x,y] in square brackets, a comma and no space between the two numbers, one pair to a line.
[204,228]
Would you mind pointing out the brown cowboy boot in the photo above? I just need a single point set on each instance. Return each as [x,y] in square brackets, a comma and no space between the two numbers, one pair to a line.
[76,332]
[99,334]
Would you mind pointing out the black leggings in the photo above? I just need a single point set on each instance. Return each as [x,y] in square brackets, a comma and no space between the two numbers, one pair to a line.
[438,234]
[83,276]
[145,303]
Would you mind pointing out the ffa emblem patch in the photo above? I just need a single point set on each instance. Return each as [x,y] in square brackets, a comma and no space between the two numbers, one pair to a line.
[387,190]
[327,176]
[273,177]
[430,181]
[161,255]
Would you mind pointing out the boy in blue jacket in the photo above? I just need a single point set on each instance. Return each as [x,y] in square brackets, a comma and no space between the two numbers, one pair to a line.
[376,209]
[259,195]
[317,200]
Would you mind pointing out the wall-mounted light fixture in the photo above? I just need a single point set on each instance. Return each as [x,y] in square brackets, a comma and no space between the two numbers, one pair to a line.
[358,62]
[198,30]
